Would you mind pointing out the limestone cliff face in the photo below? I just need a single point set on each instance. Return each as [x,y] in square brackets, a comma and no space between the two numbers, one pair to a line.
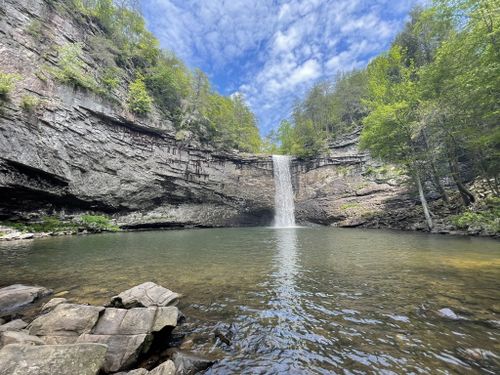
[79,152]
[347,188]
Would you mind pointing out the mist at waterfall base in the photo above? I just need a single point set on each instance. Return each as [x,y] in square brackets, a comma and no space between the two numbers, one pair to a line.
[284,216]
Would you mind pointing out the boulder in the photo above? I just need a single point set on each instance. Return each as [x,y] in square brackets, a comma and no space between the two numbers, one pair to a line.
[13,325]
[81,359]
[145,295]
[139,371]
[166,368]
[53,303]
[65,323]
[17,296]
[129,333]
[123,350]
[189,364]
[19,337]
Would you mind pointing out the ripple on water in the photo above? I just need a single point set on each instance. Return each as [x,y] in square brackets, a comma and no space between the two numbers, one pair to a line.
[306,300]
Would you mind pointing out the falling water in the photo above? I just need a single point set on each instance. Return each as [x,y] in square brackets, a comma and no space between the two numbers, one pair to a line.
[283,200]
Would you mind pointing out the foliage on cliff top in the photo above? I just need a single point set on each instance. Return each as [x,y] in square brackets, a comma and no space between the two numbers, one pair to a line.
[183,96]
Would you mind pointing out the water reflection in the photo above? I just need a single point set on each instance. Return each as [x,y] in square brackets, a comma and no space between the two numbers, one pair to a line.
[295,300]
[286,262]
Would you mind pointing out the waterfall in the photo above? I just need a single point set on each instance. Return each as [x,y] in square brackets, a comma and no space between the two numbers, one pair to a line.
[283,199]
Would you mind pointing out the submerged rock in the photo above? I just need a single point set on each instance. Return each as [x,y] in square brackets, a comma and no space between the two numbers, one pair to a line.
[449,314]
[74,359]
[65,323]
[479,357]
[145,295]
[17,296]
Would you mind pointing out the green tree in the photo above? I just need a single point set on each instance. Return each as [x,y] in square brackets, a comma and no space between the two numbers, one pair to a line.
[139,101]
[392,129]
[461,89]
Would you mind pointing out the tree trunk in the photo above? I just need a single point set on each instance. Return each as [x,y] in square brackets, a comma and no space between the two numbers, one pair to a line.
[437,183]
[435,177]
[427,213]
[466,195]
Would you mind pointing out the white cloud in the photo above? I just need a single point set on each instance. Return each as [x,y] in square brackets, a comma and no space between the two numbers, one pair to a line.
[274,50]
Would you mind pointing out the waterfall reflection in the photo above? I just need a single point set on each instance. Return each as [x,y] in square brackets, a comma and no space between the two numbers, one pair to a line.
[286,260]
[286,310]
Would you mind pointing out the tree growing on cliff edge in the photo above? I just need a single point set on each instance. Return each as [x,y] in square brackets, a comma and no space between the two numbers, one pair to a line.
[139,101]
[182,96]
[330,109]
[391,130]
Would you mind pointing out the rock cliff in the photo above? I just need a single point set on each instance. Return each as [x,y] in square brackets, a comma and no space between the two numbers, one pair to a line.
[77,151]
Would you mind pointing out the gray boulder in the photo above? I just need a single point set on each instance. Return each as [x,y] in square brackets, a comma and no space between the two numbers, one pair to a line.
[74,359]
[52,304]
[129,333]
[145,295]
[19,337]
[166,368]
[17,296]
[13,325]
[139,371]
[65,323]
[190,364]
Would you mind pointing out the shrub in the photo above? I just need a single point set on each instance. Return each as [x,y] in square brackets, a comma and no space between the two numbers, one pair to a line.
[46,224]
[110,79]
[29,103]
[139,101]
[35,29]
[486,218]
[7,83]
[97,223]
[351,205]
[70,69]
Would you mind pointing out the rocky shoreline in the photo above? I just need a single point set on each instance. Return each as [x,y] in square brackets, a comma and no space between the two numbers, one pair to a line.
[131,335]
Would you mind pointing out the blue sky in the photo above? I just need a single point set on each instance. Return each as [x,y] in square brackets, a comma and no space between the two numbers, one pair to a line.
[273,51]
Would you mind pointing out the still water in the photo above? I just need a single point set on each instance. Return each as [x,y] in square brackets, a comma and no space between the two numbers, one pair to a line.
[295,301]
